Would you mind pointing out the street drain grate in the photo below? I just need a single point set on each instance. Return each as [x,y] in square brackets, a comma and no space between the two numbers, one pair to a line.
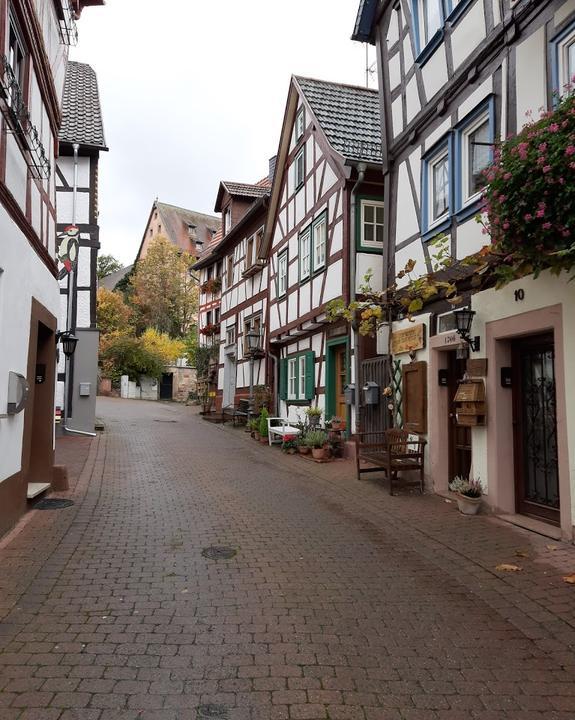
[219,552]
[53,504]
[168,421]
[212,711]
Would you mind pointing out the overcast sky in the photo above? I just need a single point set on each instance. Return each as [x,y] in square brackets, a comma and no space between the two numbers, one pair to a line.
[194,92]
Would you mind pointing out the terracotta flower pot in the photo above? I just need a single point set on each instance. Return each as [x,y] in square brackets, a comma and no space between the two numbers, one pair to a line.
[256,435]
[320,453]
[303,449]
[338,426]
[263,439]
[468,505]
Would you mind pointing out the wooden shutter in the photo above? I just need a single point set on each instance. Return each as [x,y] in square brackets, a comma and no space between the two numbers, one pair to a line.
[309,375]
[414,380]
[283,379]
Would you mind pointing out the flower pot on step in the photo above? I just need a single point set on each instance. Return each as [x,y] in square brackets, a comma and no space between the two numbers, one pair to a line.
[468,505]
[303,450]
[263,439]
[320,453]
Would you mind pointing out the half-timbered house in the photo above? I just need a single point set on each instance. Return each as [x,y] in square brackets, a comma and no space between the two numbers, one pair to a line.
[81,141]
[454,78]
[34,40]
[234,287]
[324,233]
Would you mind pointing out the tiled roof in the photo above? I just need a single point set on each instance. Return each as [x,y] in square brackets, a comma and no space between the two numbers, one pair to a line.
[349,116]
[81,112]
[173,216]
[247,190]
[111,280]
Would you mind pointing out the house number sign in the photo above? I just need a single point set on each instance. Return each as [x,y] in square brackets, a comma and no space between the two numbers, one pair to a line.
[519,295]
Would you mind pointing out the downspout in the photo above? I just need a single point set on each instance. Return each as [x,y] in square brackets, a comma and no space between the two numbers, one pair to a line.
[361,169]
[71,281]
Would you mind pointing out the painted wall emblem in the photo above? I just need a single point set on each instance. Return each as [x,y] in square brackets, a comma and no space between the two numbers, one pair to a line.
[67,250]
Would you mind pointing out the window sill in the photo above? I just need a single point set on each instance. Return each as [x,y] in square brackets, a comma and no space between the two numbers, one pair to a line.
[370,249]
[430,48]
[253,270]
[457,12]
[469,210]
[437,230]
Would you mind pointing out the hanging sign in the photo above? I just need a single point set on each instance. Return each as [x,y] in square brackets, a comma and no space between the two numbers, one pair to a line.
[408,340]
[67,250]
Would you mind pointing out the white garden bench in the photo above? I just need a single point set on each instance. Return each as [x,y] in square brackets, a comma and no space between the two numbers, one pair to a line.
[278,428]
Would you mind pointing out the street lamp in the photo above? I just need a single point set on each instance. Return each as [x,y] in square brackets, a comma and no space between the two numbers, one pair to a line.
[253,338]
[463,322]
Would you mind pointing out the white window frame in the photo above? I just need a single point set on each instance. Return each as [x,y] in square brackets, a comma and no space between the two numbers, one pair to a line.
[227,220]
[299,164]
[375,204]
[318,225]
[564,76]
[442,155]
[282,273]
[299,124]
[292,388]
[231,335]
[466,196]
[425,38]
[301,376]
[305,257]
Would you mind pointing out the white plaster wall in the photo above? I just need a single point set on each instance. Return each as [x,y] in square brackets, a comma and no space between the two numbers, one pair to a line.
[66,166]
[412,99]
[25,276]
[475,98]
[567,7]
[530,76]
[65,207]
[414,251]
[407,223]
[470,239]
[468,34]
[373,262]
[397,116]
[435,72]
[394,71]
[15,171]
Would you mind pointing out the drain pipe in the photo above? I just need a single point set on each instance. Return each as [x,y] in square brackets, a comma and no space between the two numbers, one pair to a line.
[361,169]
[71,280]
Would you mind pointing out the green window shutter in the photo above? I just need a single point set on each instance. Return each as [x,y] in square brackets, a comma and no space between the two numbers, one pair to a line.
[283,379]
[309,375]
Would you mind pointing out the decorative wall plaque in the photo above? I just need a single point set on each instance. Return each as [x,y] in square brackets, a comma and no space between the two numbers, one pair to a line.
[408,340]
[477,367]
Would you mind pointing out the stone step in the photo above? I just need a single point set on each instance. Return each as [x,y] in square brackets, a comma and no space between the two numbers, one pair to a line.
[35,489]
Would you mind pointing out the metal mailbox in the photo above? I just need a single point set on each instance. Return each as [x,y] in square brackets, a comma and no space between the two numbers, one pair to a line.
[349,394]
[371,393]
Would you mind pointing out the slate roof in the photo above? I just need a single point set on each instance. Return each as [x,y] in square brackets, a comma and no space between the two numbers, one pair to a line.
[81,111]
[173,216]
[349,116]
[111,280]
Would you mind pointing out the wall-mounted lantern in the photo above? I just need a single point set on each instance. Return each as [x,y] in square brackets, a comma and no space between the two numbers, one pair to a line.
[463,322]
[69,342]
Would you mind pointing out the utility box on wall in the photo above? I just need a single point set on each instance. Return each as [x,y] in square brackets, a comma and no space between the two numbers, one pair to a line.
[85,389]
[349,394]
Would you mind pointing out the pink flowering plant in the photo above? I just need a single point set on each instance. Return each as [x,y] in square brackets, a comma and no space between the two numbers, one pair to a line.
[529,201]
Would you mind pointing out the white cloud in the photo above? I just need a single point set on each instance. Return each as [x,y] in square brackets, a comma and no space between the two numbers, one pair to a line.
[194,93]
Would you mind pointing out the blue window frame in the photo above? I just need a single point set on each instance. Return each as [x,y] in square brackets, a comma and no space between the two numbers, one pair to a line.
[563,59]
[473,152]
[429,18]
[436,188]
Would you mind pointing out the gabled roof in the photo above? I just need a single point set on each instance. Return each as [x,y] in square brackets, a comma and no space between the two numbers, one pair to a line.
[81,112]
[349,116]
[110,281]
[243,190]
[363,30]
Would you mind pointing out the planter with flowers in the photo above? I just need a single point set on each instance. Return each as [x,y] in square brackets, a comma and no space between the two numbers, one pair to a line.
[210,329]
[289,444]
[213,286]
[338,424]
[468,494]
[317,441]
[313,416]
[263,426]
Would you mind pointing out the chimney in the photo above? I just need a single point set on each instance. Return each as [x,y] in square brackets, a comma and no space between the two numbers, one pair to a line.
[272,169]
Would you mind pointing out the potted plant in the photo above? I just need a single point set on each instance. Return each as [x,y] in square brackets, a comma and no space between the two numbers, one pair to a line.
[289,444]
[316,440]
[302,447]
[468,494]
[253,426]
[338,423]
[313,415]
[263,426]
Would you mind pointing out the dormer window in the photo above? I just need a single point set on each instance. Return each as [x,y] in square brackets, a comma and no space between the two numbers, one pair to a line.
[227,220]
[300,124]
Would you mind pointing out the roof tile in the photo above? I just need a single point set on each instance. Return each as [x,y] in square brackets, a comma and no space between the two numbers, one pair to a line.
[81,112]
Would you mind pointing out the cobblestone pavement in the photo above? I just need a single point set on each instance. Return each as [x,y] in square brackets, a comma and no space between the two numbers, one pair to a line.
[340,602]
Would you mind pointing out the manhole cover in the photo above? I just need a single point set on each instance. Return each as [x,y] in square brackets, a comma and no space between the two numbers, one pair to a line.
[168,421]
[219,552]
[53,504]
[212,711]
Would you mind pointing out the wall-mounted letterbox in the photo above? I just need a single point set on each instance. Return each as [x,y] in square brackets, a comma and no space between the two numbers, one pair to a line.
[470,405]
[85,389]
[349,393]
[18,389]
[371,393]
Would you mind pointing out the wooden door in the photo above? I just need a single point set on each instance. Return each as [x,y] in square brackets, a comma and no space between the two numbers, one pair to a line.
[340,381]
[535,429]
[459,435]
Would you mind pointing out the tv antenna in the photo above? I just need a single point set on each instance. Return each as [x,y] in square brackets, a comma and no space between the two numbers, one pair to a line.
[370,69]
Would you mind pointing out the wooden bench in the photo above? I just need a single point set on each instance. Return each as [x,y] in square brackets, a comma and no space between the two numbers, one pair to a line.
[238,413]
[278,428]
[391,451]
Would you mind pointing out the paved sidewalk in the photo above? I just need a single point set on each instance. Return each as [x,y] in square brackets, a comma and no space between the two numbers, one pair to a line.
[341,602]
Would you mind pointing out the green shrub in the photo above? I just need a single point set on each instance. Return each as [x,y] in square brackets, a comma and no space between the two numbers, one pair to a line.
[263,427]
[316,439]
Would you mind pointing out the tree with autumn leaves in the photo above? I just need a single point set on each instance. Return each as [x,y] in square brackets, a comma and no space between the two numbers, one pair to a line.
[151,325]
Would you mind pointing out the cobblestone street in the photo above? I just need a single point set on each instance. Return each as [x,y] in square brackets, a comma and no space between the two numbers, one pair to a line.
[341,602]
